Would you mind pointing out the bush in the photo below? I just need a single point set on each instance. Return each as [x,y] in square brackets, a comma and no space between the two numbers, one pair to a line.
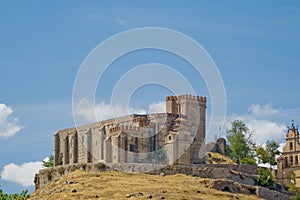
[248,161]
[100,166]
[294,189]
[265,177]
[22,196]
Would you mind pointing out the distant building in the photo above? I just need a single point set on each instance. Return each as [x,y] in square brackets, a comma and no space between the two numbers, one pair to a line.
[288,161]
[176,137]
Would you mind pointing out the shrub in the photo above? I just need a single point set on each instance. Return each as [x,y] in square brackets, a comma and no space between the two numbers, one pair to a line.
[265,177]
[100,166]
[22,196]
[248,161]
[294,189]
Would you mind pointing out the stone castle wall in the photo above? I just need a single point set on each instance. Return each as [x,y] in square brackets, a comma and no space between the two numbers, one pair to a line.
[180,133]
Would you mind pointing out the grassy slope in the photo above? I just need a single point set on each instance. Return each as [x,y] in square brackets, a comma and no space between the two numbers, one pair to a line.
[216,158]
[116,185]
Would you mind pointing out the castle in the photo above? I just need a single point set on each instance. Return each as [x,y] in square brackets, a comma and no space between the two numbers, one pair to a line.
[288,162]
[175,137]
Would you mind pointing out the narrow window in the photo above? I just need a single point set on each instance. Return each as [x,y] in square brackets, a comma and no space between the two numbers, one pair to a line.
[291,160]
[296,160]
[131,148]
[291,145]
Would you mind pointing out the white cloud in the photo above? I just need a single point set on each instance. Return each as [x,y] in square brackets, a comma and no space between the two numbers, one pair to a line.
[159,107]
[103,111]
[261,120]
[281,145]
[265,130]
[8,127]
[22,174]
[263,110]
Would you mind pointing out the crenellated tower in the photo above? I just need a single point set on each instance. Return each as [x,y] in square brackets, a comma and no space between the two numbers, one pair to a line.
[187,134]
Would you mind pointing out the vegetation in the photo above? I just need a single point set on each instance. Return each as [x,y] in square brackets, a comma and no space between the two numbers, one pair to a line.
[50,162]
[265,177]
[118,185]
[241,148]
[268,154]
[22,196]
[216,158]
[248,161]
[294,189]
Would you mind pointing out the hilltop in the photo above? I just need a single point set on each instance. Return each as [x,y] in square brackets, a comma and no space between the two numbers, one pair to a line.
[119,185]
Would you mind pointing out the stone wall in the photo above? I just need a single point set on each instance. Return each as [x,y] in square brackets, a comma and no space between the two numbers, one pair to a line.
[241,173]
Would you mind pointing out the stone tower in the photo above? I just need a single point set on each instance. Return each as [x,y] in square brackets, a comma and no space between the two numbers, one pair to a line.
[187,134]
[288,162]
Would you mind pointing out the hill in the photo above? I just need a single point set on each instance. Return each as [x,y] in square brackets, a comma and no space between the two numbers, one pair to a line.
[120,185]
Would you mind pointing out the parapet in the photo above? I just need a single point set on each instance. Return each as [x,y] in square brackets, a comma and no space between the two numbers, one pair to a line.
[186,96]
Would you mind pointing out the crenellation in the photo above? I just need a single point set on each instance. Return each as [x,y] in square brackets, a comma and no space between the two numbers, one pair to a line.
[180,133]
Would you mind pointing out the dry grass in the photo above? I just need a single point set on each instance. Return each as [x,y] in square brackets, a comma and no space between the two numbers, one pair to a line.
[217,158]
[116,185]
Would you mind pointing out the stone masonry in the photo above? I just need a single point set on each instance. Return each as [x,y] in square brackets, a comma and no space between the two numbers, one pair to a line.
[288,162]
[174,137]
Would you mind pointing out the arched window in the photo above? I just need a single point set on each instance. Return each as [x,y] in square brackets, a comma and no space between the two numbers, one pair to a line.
[291,145]
[296,160]
[285,162]
[291,160]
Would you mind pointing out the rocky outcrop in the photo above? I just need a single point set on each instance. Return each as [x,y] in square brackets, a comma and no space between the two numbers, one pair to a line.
[234,187]
[231,178]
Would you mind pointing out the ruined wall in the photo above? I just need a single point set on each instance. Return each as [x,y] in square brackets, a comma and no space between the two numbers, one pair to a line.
[45,176]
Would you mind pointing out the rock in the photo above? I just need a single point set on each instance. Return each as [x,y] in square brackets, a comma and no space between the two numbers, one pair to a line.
[162,174]
[149,196]
[195,178]
[74,191]
[265,193]
[231,186]
[138,194]
[161,197]
[128,195]
[69,182]
[164,191]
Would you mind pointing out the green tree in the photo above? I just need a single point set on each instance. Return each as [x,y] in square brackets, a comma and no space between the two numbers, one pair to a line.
[268,154]
[241,147]
[50,162]
[22,196]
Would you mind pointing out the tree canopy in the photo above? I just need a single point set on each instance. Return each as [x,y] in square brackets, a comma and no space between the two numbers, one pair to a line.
[241,148]
[268,154]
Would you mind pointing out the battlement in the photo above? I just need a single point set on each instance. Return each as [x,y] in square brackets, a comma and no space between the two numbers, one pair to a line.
[186,96]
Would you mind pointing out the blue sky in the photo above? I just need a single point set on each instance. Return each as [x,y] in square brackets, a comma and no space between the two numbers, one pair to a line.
[255,44]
